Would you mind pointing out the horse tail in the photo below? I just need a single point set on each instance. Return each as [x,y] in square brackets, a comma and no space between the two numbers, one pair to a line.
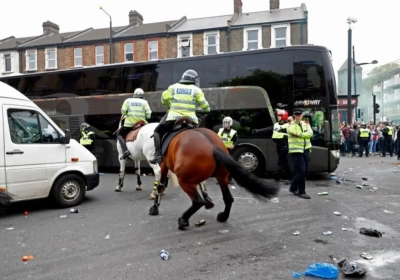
[5,198]
[244,178]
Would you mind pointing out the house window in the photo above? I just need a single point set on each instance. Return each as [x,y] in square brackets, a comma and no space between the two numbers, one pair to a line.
[7,63]
[185,45]
[128,50]
[78,61]
[31,60]
[51,58]
[99,55]
[153,50]
[211,42]
[280,36]
[252,38]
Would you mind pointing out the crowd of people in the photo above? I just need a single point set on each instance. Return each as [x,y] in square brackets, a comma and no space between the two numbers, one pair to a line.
[383,139]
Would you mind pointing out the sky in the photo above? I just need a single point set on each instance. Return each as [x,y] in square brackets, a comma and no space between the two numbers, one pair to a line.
[372,36]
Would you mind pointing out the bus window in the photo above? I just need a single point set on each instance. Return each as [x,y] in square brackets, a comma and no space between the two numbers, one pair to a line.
[103,125]
[100,81]
[216,71]
[315,118]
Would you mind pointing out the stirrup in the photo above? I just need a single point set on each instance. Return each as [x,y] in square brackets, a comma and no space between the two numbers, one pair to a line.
[125,154]
[157,159]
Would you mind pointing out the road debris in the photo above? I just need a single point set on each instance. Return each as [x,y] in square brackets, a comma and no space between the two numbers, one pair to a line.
[337,213]
[347,229]
[388,212]
[164,255]
[63,216]
[351,269]
[370,232]
[27,258]
[323,193]
[322,270]
[200,223]
[9,228]
[366,256]
[74,210]
[107,237]
[327,233]
[296,233]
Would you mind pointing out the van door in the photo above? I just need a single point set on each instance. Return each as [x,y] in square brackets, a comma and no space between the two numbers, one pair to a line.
[32,152]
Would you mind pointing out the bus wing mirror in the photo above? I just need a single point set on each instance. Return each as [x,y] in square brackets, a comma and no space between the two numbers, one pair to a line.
[67,138]
[327,131]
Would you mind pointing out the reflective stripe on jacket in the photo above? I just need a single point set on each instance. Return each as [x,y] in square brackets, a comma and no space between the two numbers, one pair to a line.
[134,110]
[302,142]
[85,139]
[279,135]
[227,138]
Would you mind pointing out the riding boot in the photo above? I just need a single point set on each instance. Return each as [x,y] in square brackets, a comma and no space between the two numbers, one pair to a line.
[158,158]
[125,151]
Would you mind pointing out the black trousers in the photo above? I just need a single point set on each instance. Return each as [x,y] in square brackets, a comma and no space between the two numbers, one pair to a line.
[364,146]
[283,163]
[300,161]
[164,126]
[124,131]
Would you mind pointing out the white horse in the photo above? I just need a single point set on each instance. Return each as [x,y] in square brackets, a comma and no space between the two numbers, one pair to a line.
[141,149]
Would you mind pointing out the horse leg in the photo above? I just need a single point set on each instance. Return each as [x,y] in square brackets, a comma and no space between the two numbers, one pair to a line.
[122,163]
[158,193]
[157,173]
[197,203]
[208,200]
[137,171]
[226,196]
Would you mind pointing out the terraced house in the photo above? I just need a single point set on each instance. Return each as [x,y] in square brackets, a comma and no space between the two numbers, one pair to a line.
[138,41]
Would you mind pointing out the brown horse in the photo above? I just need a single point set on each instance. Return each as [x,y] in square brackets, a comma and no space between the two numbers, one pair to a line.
[193,156]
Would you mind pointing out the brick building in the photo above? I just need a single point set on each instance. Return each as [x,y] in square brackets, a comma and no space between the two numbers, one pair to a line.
[139,41]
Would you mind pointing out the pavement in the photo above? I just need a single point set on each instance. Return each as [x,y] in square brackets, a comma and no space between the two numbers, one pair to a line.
[113,237]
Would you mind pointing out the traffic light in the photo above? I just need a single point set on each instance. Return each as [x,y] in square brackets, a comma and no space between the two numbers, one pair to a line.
[376,108]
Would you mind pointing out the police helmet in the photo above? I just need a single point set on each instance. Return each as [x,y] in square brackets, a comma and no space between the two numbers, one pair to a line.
[363,125]
[227,121]
[282,114]
[190,77]
[297,112]
[84,126]
[138,93]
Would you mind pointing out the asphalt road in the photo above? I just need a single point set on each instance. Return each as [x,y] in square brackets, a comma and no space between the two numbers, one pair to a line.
[257,242]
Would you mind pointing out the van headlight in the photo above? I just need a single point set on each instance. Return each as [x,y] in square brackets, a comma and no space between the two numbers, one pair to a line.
[95,168]
[335,153]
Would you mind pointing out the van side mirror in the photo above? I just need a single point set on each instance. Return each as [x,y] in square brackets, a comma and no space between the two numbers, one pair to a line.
[67,138]
[327,131]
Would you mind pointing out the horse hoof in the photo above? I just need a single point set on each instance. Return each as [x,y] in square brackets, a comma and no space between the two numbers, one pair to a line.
[209,205]
[182,223]
[152,196]
[153,211]
[222,217]
[118,188]
[139,188]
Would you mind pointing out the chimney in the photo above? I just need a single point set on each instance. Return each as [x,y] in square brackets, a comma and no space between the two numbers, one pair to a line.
[50,27]
[274,4]
[135,18]
[237,6]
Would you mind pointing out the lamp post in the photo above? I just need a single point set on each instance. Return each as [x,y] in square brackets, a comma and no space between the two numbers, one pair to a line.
[111,47]
[350,20]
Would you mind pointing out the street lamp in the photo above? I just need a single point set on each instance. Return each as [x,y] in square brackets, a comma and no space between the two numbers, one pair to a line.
[111,47]
[350,20]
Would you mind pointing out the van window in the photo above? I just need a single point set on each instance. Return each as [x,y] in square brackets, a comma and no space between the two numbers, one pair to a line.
[30,127]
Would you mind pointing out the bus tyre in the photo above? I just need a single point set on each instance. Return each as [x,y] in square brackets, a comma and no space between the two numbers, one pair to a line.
[251,159]
[68,190]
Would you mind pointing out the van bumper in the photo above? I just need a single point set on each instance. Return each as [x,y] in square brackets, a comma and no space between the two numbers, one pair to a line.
[93,180]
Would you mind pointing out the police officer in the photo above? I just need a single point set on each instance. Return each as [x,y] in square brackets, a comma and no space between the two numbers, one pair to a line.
[87,137]
[280,137]
[387,133]
[181,98]
[229,136]
[133,110]
[363,138]
[299,135]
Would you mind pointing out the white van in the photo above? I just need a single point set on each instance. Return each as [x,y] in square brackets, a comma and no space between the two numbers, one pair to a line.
[40,160]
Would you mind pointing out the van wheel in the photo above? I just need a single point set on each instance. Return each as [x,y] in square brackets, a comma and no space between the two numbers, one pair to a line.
[69,190]
[251,159]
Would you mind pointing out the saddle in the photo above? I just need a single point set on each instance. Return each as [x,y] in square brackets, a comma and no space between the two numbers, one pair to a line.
[180,125]
[132,135]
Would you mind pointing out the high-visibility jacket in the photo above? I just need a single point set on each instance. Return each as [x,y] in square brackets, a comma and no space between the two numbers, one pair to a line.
[364,133]
[279,135]
[182,100]
[86,138]
[390,132]
[227,138]
[135,109]
[302,142]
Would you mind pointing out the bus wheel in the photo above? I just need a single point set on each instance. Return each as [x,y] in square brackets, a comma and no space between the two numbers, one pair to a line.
[250,159]
[69,190]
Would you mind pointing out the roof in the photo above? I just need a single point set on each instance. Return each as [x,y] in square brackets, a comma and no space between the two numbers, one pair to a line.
[202,23]
[12,42]
[281,15]
[91,34]
[47,39]
[143,29]
[344,66]
[7,91]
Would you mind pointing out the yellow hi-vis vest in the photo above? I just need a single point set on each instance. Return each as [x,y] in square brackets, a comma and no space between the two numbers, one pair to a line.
[134,110]
[182,100]
[364,133]
[85,139]
[227,138]
[390,132]
[279,135]
[302,142]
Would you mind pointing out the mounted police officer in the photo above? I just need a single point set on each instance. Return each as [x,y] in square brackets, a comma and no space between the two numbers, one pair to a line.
[280,137]
[133,110]
[87,137]
[181,98]
[229,136]
[300,134]
[364,135]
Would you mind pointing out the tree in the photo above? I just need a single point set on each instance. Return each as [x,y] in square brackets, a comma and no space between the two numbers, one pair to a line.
[377,74]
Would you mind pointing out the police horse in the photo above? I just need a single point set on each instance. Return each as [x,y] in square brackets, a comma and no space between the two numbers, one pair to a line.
[141,147]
